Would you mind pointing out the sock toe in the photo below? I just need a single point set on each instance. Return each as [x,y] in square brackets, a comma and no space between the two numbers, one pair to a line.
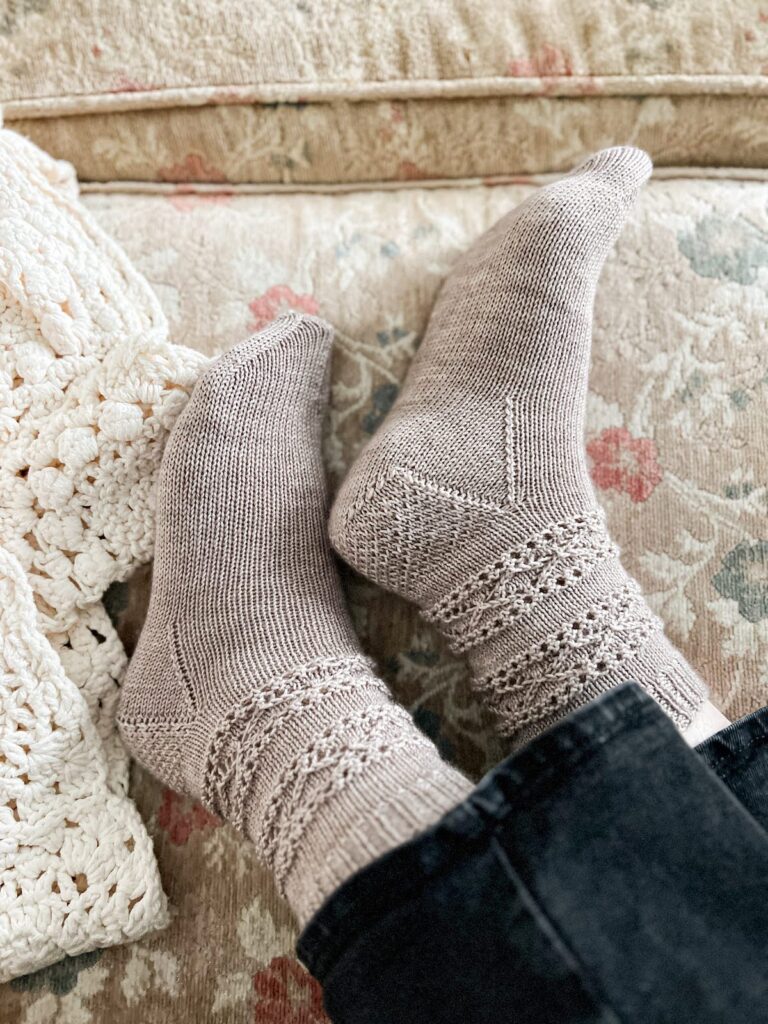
[622,168]
[307,340]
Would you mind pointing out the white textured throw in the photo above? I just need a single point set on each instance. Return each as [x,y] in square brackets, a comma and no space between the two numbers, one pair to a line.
[89,387]
[77,868]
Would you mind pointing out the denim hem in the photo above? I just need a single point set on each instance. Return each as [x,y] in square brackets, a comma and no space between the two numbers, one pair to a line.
[738,756]
[529,775]
[726,751]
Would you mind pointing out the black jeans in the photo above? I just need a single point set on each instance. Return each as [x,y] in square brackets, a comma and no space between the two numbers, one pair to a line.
[606,872]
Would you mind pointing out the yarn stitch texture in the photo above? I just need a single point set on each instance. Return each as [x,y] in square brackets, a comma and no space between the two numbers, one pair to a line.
[77,868]
[474,500]
[89,387]
[554,558]
[247,689]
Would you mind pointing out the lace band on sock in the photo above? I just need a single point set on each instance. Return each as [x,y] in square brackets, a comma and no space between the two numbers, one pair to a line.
[604,641]
[558,556]
[247,731]
[546,677]
[328,762]
[331,764]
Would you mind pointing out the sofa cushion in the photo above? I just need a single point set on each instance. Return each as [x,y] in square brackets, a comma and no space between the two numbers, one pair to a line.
[679,449]
[232,91]
[677,432]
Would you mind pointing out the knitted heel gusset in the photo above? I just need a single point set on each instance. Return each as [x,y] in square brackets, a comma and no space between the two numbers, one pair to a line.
[402,529]
[157,685]
[156,715]
[363,530]
[161,751]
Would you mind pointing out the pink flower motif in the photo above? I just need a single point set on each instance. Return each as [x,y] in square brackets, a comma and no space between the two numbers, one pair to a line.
[409,171]
[276,300]
[179,817]
[548,62]
[624,463]
[123,83]
[551,63]
[185,198]
[286,994]
[193,168]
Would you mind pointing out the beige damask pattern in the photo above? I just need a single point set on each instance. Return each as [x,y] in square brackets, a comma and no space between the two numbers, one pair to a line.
[75,54]
[402,141]
[679,454]
[449,89]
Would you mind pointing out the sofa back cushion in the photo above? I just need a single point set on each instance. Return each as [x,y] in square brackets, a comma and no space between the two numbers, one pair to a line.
[231,91]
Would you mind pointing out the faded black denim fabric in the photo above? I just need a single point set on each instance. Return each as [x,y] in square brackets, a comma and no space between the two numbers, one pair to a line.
[605,873]
[739,755]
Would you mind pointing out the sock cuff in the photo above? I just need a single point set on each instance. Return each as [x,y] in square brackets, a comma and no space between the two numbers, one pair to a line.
[393,801]
[322,745]
[627,644]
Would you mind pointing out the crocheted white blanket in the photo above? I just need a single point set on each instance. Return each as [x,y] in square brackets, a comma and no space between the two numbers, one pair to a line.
[89,387]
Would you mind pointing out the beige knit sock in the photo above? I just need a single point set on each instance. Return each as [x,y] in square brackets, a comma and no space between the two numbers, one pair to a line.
[474,500]
[248,689]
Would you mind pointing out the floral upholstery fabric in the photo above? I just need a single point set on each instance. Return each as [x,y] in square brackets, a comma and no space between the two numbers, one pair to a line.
[286,51]
[678,445]
[246,99]
[233,91]
[403,141]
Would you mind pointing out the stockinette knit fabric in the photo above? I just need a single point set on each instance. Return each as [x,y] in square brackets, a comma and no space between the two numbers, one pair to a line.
[473,499]
[248,689]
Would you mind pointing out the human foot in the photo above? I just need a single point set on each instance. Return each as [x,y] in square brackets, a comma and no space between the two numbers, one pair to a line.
[707,721]
[473,499]
[247,689]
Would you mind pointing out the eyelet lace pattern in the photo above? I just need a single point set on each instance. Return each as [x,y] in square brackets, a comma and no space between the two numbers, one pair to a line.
[326,764]
[555,558]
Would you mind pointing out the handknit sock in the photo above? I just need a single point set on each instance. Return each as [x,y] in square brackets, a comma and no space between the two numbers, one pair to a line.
[473,499]
[248,689]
